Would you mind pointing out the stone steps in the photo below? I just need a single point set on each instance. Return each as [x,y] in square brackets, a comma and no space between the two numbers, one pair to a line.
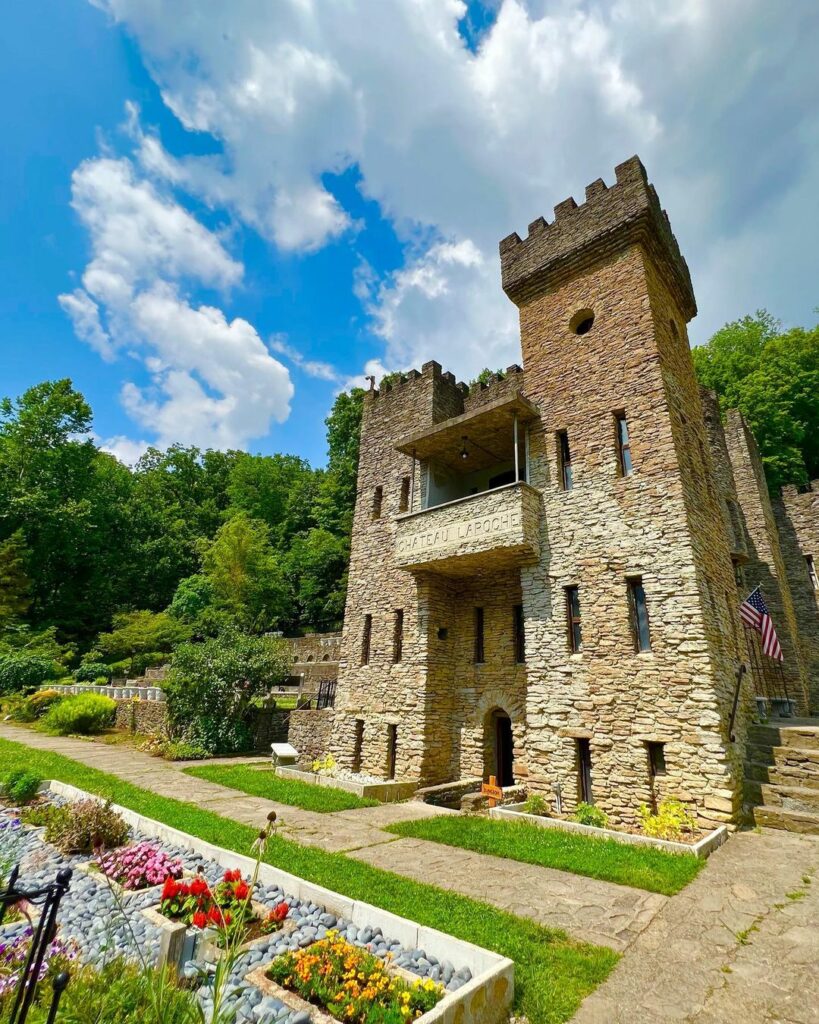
[791,821]
[782,775]
[804,737]
[792,798]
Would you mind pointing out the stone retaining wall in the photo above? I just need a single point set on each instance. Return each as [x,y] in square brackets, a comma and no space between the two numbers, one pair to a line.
[310,733]
[149,717]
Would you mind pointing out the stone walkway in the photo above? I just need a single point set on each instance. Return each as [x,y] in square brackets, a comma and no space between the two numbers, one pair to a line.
[739,945]
[595,911]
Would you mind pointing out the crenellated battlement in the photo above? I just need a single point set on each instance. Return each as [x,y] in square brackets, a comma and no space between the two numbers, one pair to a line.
[495,388]
[611,219]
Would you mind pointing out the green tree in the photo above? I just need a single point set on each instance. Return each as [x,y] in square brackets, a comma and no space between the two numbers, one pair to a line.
[139,632]
[772,377]
[15,585]
[335,501]
[212,686]
[317,570]
[245,574]
[279,490]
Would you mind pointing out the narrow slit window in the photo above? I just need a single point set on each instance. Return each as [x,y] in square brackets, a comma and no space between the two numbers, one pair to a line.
[519,634]
[656,759]
[573,623]
[564,458]
[365,639]
[623,444]
[584,771]
[378,500]
[358,744]
[403,502]
[479,649]
[639,614]
[392,750]
[398,635]
[814,579]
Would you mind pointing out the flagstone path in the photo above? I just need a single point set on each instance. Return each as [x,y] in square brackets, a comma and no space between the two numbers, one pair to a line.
[588,909]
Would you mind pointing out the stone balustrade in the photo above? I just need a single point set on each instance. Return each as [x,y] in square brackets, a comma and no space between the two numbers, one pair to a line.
[116,692]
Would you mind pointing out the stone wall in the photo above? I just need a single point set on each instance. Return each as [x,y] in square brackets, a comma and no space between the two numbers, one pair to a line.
[269,726]
[311,733]
[797,518]
[314,657]
[149,717]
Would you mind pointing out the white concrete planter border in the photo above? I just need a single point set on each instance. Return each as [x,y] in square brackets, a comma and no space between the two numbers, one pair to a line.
[386,792]
[703,848]
[485,999]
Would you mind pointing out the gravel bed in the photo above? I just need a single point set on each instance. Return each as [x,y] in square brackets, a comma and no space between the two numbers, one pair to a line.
[103,929]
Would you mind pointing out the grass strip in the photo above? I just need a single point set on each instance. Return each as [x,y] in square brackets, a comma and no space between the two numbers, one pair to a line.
[641,867]
[264,782]
[553,974]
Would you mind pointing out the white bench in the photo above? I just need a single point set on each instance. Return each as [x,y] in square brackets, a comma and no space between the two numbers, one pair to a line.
[283,753]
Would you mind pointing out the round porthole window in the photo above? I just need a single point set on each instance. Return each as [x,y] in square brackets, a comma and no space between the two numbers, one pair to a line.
[582,321]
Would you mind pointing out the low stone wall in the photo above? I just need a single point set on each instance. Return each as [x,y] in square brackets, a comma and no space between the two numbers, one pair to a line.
[269,726]
[310,733]
[149,717]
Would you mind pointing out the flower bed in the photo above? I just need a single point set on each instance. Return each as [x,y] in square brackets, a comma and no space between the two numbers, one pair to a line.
[138,866]
[703,847]
[352,984]
[105,927]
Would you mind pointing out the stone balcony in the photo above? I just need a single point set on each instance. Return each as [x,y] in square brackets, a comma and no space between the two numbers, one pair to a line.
[495,529]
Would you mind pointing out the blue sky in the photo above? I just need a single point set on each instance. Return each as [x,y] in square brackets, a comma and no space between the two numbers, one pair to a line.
[215,217]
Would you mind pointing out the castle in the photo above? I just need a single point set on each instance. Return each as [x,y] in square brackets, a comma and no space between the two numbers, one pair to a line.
[546,569]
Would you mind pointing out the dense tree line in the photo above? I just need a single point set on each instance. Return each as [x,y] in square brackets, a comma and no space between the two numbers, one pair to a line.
[105,562]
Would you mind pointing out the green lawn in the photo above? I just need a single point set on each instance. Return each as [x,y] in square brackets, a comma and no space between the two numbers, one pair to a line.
[638,866]
[263,782]
[552,973]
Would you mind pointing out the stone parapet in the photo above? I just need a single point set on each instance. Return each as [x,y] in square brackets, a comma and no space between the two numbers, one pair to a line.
[492,530]
[582,236]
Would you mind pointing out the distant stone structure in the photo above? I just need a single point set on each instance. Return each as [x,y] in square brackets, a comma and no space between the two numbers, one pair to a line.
[546,569]
[315,657]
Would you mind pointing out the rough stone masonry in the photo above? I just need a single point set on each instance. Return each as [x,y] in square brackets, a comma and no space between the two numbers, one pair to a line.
[546,569]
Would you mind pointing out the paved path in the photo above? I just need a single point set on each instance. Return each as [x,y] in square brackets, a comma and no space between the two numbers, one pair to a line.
[739,945]
[595,911]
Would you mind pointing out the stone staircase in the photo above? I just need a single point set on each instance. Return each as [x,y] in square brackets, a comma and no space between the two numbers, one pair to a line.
[782,774]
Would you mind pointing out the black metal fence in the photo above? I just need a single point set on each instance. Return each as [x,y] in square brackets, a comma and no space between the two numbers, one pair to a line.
[47,902]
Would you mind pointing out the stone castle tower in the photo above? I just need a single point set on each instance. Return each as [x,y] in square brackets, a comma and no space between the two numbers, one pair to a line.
[544,569]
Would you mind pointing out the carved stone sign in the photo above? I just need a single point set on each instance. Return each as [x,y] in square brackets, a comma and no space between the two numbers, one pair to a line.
[460,531]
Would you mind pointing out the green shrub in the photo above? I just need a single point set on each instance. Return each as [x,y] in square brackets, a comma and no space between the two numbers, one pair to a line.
[24,672]
[86,713]
[140,662]
[93,671]
[20,786]
[535,804]
[173,750]
[211,687]
[672,820]
[85,826]
[588,814]
[40,702]
[120,669]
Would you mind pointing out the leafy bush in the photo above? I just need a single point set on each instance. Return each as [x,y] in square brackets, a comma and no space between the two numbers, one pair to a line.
[86,713]
[40,702]
[20,786]
[120,669]
[588,814]
[173,750]
[91,671]
[672,820]
[150,659]
[140,632]
[211,687]
[22,672]
[536,803]
[85,826]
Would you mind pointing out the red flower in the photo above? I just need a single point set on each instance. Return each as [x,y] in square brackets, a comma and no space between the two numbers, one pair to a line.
[279,912]
[241,891]
[199,887]
[233,876]
[215,915]
[199,920]
[228,918]
[170,889]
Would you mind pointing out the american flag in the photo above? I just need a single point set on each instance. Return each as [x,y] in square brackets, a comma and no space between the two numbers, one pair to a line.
[754,613]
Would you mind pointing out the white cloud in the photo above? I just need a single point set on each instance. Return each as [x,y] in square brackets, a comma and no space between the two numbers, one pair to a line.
[312,367]
[123,448]
[214,383]
[461,147]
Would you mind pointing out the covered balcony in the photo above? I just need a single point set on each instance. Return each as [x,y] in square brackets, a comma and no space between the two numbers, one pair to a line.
[473,507]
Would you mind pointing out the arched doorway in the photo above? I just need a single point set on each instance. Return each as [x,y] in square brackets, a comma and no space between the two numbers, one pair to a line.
[500,747]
